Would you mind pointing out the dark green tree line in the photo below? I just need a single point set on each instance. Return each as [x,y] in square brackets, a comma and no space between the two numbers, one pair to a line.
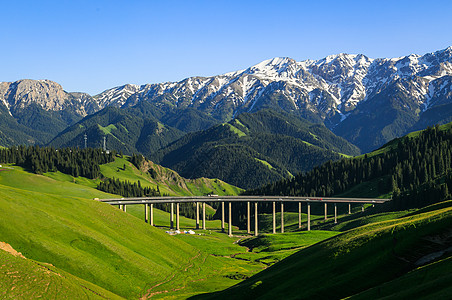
[72,161]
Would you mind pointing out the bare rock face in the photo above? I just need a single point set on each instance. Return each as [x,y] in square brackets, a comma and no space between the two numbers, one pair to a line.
[46,94]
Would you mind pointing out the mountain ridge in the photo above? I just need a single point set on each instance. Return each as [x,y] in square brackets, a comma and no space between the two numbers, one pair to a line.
[349,93]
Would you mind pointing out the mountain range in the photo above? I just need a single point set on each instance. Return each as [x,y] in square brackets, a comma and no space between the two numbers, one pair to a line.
[211,126]
[367,101]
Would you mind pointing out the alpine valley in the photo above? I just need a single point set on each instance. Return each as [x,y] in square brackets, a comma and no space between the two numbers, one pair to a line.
[345,126]
[341,104]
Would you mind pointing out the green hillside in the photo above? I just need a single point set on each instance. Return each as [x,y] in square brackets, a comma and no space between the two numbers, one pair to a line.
[168,181]
[86,238]
[359,259]
[23,278]
[56,222]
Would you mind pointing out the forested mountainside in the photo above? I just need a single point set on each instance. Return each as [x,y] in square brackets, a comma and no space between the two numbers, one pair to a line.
[143,128]
[253,149]
[416,169]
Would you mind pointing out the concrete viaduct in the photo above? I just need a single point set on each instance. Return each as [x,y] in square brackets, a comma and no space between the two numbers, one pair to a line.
[150,201]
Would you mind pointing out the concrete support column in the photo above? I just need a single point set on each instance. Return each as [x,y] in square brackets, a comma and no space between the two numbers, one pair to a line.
[197,215]
[172,216]
[255,220]
[146,213]
[282,217]
[124,207]
[362,207]
[335,213]
[222,216]
[248,218]
[299,214]
[326,211]
[230,219]
[177,216]
[349,208]
[151,214]
[121,206]
[204,215]
[274,217]
[309,216]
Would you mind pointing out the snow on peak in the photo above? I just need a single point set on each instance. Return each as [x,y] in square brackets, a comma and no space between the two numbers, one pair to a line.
[346,79]
[276,63]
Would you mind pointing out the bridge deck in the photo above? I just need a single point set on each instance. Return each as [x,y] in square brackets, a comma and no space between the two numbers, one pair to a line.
[154,200]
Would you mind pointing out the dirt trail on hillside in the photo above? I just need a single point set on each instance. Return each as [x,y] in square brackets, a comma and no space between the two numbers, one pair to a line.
[149,292]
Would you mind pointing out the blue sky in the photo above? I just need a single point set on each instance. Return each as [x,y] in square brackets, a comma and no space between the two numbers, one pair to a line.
[90,46]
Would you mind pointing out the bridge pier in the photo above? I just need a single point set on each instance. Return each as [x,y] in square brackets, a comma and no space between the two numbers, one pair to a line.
[148,209]
[335,213]
[222,216]
[230,219]
[197,215]
[255,220]
[204,215]
[274,217]
[177,216]
[326,211]
[299,214]
[172,216]
[282,217]
[248,218]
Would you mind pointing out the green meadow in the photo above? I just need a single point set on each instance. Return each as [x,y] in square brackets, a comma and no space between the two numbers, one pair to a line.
[75,247]
[53,221]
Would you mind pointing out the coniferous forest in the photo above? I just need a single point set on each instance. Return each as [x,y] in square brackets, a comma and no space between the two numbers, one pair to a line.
[126,188]
[417,169]
[72,161]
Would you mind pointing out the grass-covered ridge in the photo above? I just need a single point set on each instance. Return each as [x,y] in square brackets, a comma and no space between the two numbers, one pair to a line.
[168,181]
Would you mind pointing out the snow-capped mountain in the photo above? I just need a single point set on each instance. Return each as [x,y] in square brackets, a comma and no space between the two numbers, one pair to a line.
[328,87]
[354,95]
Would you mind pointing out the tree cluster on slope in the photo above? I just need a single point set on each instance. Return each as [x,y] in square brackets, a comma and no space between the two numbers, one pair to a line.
[127,188]
[72,161]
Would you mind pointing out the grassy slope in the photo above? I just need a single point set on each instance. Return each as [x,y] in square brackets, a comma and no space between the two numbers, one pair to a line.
[272,248]
[16,273]
[429,282]
[56,222]
[168,181]
[381,249]
[89,239]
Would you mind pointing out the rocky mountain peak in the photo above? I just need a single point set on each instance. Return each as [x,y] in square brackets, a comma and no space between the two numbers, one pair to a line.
[22,93]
